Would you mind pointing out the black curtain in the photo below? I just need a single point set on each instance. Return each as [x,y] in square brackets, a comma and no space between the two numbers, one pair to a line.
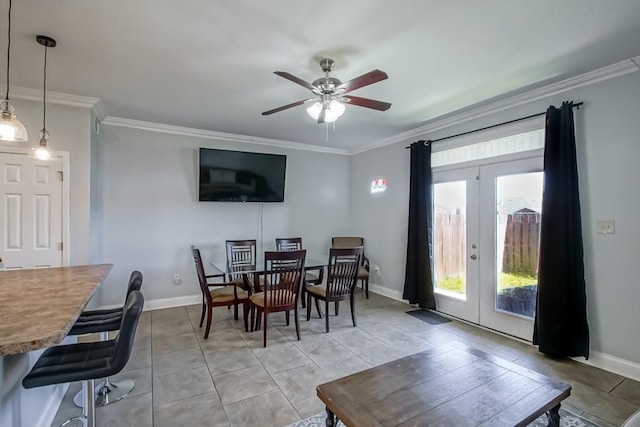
[560,327]
[418,278]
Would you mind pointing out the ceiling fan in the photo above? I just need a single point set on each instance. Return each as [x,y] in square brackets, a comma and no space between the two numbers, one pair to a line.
[329,102]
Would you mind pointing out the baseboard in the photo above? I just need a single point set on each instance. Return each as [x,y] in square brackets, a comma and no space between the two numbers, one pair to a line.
[614,364]
[51,409]
[159,304]
[386,292]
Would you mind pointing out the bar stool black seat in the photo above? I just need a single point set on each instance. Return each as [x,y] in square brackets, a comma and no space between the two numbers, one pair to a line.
[94,321]
[89,361]
[105,321]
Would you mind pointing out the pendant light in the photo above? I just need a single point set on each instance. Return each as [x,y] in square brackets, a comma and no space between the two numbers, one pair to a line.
[42,149]
[10,127]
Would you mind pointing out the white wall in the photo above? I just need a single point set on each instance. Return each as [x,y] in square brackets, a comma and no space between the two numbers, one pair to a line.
[608,129]
[151,214]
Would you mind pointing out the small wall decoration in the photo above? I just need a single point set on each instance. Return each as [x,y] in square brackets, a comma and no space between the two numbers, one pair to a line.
[378,185]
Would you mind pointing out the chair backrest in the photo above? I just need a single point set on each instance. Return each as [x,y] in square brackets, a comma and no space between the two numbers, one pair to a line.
[241,256]
[135,282]
[124,340]
[347,242]
[284,272]
[202,279]
[289,244]
[343,270]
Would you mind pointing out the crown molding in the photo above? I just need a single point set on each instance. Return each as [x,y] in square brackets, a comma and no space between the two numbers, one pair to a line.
[98,110]
[28,94]
[453,118]
[220,136]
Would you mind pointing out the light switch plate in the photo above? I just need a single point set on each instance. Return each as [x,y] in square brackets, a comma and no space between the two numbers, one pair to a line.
[606,226]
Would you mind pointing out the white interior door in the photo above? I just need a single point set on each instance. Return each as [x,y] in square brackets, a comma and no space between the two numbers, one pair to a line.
[31,212]
[455,243]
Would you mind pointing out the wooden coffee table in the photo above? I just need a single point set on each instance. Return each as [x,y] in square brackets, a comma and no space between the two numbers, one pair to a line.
[444,387]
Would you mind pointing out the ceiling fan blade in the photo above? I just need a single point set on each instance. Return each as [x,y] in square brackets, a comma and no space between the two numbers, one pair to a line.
[367,103]
[364,80]
[284,107]
[322,114]
[297,80]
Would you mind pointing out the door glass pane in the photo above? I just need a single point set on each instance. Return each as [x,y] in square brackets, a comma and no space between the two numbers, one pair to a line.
[450,206]
[519,200]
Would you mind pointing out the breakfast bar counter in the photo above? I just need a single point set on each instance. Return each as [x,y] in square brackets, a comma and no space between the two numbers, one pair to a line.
[38,307]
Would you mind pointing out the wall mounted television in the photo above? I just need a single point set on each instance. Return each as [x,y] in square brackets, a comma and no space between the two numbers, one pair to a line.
[238,176]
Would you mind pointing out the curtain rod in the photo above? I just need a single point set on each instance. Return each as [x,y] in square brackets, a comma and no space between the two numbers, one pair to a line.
[493,126]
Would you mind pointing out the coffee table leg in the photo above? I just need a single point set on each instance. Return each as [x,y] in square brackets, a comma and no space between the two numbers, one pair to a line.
[331,419]
[554,417]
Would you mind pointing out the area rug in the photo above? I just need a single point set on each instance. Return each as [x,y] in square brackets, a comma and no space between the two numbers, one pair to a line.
[567,419]
[428,316]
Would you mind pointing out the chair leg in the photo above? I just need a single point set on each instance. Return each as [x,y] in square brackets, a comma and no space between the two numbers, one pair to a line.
[303,294]
[245,315]
[88,404]
[206,331]
[366,288]
[203,311]
[235,311]
[318,308]
[352,301]
[326,315]
[266,313]
[286,315]
[308,306]
[253,317]
[297,321]
[337,307]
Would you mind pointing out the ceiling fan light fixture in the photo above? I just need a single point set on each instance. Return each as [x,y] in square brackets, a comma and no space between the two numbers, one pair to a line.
[333,110]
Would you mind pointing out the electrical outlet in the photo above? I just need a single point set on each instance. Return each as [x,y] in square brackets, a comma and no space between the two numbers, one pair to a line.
[376,269]
[606,226]
[176,279]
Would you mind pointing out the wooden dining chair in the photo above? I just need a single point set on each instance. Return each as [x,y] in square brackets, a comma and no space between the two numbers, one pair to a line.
[342,279]
[363,269]
[226,294]
[281,281]
[310,279]
[241,257]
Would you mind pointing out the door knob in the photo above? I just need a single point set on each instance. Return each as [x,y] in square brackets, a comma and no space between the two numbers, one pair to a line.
[474,256]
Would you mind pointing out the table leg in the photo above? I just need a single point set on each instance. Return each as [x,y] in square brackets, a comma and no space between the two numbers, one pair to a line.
[554,417]
[331,419]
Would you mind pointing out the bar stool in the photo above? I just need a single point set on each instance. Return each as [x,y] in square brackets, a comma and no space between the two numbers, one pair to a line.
[103,322]
[87,362]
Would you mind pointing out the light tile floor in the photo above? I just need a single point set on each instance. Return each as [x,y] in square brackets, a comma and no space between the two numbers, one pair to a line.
[231,380]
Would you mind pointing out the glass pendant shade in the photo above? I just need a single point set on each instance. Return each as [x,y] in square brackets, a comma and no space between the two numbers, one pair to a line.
[334,110]
[11,129]
[42,150]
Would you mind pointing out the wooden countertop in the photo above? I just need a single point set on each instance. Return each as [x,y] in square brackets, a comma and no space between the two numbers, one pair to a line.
[38,307]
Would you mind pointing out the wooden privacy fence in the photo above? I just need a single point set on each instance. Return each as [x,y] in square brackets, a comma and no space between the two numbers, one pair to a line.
[449,245]
[522,236]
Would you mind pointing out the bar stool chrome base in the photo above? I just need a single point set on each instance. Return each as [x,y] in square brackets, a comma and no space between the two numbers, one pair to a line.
[107,392]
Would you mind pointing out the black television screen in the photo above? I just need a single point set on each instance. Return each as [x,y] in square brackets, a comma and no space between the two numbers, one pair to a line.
[238,176]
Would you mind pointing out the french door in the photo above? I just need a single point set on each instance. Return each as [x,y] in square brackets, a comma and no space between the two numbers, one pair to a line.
[486,230]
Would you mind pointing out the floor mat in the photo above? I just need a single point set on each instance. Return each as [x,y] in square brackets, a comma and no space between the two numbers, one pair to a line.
[428,316]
